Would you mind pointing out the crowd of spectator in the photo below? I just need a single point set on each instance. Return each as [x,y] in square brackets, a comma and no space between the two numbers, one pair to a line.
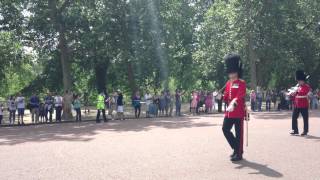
[166,104]
[278,100]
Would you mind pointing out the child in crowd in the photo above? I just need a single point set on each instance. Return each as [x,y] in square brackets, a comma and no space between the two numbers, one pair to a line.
[42,112]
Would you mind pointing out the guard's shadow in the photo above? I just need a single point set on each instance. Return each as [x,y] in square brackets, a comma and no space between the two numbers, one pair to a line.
[312,137]
[260,169]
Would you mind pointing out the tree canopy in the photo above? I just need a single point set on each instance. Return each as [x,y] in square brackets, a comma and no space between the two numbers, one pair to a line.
[98,45]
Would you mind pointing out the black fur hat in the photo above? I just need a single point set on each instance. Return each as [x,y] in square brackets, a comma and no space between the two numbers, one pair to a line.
[300,75]
[233,64]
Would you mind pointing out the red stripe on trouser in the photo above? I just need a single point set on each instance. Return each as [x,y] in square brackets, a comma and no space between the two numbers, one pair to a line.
[241,137]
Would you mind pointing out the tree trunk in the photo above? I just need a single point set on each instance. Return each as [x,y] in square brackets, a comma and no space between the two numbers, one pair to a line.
[56,18]
[66,74]
[131,79]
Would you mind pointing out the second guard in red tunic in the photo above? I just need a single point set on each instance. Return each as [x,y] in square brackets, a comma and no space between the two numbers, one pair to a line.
[300,96]
[234,96]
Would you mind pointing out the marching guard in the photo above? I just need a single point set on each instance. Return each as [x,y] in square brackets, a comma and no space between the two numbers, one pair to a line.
[234,96]
[300,94]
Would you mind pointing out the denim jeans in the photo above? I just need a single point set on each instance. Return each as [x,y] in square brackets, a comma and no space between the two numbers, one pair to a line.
[178,108]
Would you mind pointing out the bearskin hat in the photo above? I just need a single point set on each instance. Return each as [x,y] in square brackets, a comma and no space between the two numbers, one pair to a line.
[233,64]
[300,75]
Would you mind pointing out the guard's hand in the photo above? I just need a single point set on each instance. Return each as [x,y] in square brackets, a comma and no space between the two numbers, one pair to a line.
[231,106]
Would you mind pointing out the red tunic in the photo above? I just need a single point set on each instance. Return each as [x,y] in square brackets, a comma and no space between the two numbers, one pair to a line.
[300,98]
[236,89]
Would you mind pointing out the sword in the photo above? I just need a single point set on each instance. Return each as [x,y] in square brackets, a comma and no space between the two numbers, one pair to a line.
[247,133]
[247,119]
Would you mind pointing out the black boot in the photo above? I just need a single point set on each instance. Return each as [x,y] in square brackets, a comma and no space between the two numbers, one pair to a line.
[294,133]
[233,154]
[236,158]
[304,134]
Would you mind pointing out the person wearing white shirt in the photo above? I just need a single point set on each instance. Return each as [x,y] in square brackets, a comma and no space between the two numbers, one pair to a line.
[58,101]
[12,107]
[148,98]
[21,107]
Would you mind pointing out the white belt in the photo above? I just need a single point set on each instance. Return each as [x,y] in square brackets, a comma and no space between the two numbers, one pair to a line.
[300,97]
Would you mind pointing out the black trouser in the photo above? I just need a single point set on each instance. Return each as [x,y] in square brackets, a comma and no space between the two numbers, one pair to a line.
[295,115]
[49,111]
[236,142]
[220,106]
[103,114]
[58,113]
[290,105]
[253,105]
[1,116]
[268,105]
[137,111]
[78,114]
[178,108]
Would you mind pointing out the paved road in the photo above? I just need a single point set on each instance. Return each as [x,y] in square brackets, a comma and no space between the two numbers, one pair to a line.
[186,148]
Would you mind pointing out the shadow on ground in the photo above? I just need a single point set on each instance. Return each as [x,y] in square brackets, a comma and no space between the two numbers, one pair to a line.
[280,115]
[85,131]
[312,137]
[275,115]
[259,168]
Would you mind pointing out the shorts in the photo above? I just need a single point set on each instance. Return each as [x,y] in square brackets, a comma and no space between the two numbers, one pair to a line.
[20,111]
[120,109]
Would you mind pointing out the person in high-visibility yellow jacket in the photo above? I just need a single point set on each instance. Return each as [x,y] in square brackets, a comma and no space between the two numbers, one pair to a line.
[101,108]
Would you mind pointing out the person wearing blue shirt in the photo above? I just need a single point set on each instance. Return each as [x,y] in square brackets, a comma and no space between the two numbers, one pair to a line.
[48,107]
[34,108]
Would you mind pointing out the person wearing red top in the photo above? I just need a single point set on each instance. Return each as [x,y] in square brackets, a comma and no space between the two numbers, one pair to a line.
[234,96]
[300,103]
